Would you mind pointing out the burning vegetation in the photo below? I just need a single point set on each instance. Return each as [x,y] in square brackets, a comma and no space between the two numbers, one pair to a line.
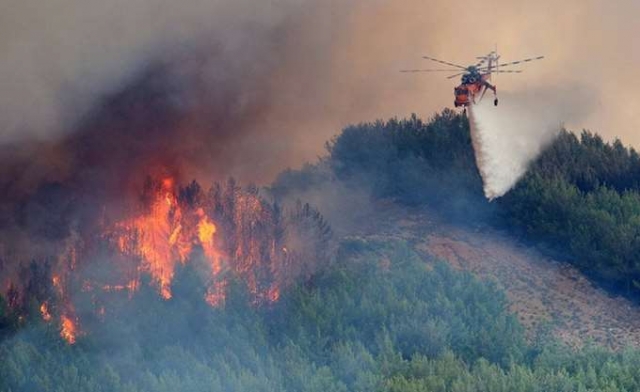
[231,233]
[107,211]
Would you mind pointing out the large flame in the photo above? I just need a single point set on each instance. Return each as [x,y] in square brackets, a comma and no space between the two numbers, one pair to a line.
[165,235]
[68,329]
[234,232]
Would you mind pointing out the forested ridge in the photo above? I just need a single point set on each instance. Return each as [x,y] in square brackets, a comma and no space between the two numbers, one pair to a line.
[579,199]
[380,317]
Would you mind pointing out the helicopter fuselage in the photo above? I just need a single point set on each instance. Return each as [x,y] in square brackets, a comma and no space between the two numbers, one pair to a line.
[471,86]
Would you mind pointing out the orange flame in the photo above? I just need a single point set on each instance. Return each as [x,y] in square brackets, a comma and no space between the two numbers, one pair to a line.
[155,237]
[44,310]
[55,280]
[248,244]
[274,294]
[165,235]
[68,329]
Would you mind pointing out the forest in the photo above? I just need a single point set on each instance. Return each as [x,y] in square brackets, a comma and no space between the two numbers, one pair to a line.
[380,319]
[580,200]
[376,315]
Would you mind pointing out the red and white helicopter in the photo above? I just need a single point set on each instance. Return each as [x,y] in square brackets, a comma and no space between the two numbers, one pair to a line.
[475,78]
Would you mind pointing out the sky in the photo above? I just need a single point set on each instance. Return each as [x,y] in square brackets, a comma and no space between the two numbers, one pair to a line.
[590,59]
[307,68]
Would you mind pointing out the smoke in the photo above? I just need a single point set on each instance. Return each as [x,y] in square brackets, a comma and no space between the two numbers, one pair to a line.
[294,71]
[59,58]
[99,94]
[507,138]
[230,82]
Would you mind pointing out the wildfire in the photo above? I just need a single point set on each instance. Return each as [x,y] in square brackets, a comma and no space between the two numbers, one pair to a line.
[206,231]
[44,311]
[235,232]
[68,329]
[165,235]
[216,294]
[55,280]
[154,237]
[274,294]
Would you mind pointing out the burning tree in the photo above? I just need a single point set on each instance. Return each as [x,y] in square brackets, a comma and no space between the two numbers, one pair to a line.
[234,232]
[234,229]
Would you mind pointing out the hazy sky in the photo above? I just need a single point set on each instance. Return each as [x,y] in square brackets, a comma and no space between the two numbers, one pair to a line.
[320,64]
[591,57]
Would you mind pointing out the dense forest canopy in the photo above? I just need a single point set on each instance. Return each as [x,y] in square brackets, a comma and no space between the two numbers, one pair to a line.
[581,197]
[379,316]
[382,318]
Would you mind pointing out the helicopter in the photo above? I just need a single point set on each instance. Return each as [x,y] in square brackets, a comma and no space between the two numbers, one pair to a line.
[474,82]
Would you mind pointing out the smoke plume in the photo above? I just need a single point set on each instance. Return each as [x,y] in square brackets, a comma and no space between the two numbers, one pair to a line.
[294,71]
[99,94]
[232,81]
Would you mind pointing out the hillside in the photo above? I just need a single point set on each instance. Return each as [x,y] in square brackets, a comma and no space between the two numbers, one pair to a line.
[542,292]
[580,197]
[563,243]
[386,316]
[380,268]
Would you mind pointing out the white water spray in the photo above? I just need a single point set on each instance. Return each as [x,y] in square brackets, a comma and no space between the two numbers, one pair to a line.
[507,138]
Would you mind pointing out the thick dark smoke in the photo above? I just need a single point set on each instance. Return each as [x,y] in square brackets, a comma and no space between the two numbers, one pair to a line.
[112,93]
[97,95]
[215,86]
[295,71]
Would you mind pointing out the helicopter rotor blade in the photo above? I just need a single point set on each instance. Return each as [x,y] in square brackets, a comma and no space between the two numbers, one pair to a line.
[519,61]
[444,62]
[479,63]
[453,76]
[426,70]
[501,71]
[484,59]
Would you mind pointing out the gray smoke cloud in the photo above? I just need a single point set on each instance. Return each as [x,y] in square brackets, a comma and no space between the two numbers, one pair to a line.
[60,57]
[239,78]
[313,65]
